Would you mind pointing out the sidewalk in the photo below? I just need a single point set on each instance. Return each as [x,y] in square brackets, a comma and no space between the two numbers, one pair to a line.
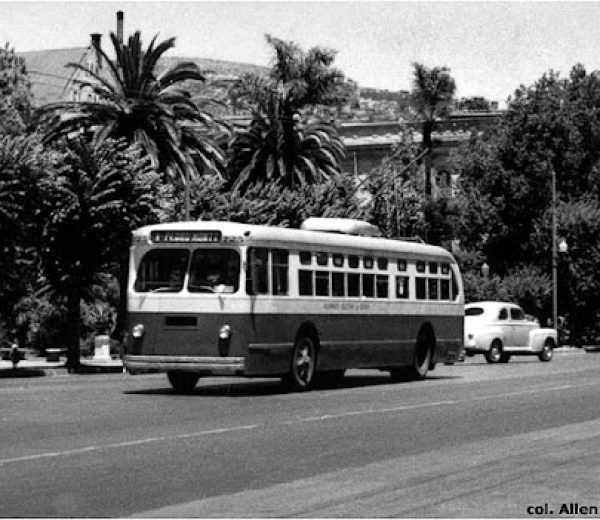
[40,366]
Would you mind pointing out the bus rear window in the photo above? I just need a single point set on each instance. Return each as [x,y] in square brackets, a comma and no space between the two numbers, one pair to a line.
[214,270]
[162,270]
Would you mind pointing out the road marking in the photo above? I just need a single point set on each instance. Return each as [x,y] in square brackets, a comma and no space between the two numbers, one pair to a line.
[124,444]
[216,431]
[432,404]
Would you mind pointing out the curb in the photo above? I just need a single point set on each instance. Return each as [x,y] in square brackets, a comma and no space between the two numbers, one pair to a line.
[41,371]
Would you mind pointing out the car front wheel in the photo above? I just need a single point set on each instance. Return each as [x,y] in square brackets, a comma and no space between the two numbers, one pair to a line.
[547,351]
[494,355]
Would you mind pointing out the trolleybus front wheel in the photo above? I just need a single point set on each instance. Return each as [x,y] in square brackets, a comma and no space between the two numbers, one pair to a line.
[183,382]
[303,365]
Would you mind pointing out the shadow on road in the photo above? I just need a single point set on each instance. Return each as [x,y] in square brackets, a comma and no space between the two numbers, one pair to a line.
[275,386]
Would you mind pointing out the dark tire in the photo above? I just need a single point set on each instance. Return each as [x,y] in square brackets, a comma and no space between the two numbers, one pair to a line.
[183,382]
[547,351]
[303,365]
[421,359]
[494,355]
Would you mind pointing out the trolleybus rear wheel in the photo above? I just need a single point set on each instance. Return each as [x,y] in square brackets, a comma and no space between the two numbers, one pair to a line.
[183,382]
[303,365]
[421,359]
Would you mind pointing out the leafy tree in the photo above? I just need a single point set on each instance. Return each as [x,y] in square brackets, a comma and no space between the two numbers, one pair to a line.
[432,93]
[274,203]
[578,223]
[22,166]
[140,106]
[88,209]
[15,93]
[526,285]
[551,127]
[276,145]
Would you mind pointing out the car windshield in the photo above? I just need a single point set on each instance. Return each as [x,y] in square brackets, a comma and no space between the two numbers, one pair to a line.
[474,311]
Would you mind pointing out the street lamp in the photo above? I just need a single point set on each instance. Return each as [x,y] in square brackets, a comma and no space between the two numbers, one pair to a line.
[557,247]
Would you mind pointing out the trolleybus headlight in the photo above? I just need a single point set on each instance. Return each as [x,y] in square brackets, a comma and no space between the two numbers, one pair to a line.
[225,332]
[137,331]
[224,340]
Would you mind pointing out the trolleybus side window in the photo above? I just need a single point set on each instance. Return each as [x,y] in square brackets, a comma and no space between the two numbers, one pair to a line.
[337,284]
[279,259]
[162,270]
[305,283]
[214,270]
[257,271]
[353,284]
[322,258]
[382,286]
[402,287]
[322,283]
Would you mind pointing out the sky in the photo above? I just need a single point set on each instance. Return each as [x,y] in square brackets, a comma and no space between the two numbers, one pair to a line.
[491,48]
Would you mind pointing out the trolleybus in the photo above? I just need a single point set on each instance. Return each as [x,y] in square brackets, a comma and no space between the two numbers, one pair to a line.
[224,298]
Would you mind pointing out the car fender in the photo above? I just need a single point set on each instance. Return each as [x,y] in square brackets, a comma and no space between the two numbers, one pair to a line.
[537,338]
[484,338]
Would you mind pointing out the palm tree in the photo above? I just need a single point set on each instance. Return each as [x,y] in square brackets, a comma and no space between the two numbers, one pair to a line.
[276,146]
[433,90]
[88,209]
[270,151]
[141,106]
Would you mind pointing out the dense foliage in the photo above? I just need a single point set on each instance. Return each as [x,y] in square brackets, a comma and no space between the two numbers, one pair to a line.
[15,93]
[551,127]
[277,146]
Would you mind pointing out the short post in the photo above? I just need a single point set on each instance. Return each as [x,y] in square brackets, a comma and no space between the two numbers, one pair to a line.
[102,348]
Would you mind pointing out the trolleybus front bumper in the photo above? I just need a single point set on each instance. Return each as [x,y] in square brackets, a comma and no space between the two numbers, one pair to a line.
[218,366]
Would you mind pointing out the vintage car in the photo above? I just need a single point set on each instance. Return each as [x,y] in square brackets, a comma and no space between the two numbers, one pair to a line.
[499,330]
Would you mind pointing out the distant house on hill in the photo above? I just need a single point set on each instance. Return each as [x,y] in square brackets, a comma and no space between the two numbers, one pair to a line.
[52,80]
[368,139]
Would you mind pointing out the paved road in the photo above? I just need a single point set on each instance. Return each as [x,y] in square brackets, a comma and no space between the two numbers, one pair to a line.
[473,440]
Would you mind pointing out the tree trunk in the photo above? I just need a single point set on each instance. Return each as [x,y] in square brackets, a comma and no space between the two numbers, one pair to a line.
[122,278]
[73,331]
[428,145]
[288,147]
